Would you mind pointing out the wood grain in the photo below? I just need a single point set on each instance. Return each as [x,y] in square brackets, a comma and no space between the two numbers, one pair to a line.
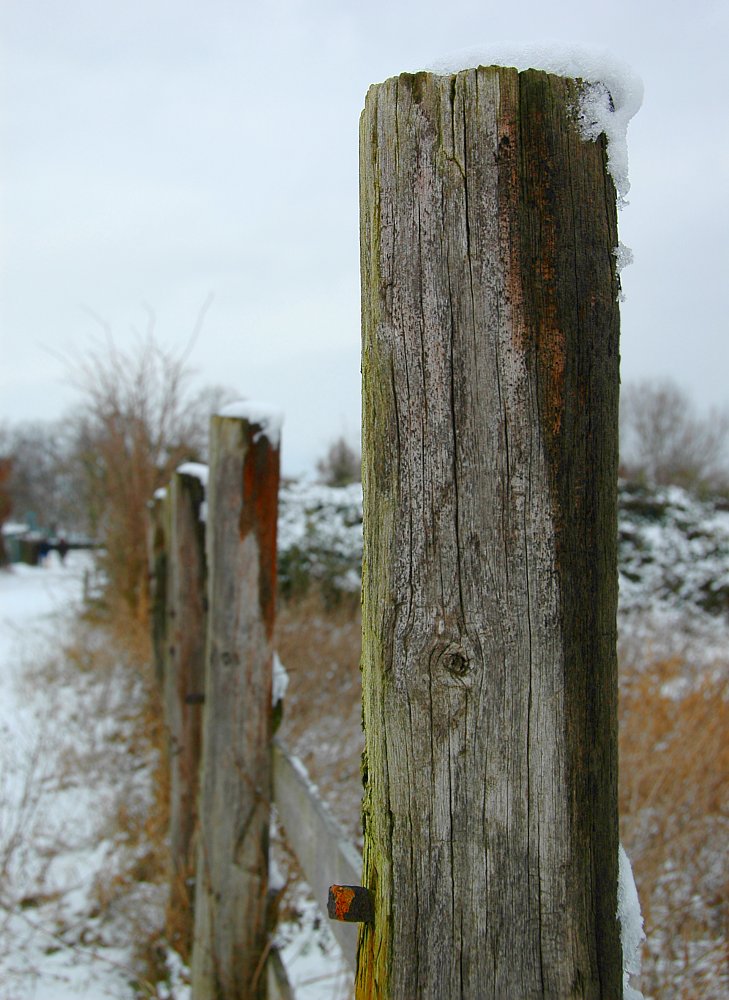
[231,920]
[490,388]
[184,682]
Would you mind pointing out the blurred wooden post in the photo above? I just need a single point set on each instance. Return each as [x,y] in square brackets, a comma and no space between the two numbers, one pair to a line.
[490,408]
[230,944]
[159,530]
[184,683]
[5,503]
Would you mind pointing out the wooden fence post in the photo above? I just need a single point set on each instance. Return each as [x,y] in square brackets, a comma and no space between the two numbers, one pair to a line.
[230,944]
[490,395]
[184,682]
[159,530]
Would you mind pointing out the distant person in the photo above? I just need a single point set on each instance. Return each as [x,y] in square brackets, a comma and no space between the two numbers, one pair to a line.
[62,549]
[43,549]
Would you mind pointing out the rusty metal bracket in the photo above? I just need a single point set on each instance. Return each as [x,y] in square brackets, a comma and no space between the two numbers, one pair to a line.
[351,903]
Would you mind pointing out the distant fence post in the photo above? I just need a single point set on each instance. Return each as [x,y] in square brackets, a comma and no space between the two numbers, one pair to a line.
[230,942]
[184,683]
[490,395]
[159,530]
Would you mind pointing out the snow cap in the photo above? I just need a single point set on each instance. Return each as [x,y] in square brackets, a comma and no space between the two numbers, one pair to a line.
[269,418]
[611,95]
[196,469]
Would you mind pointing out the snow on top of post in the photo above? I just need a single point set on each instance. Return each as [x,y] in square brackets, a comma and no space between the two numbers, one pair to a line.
[196,469]
[268,418]
[611,95]
[200,471]
[630,918]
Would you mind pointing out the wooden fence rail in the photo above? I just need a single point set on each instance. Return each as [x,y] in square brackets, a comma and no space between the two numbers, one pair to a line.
[317,840]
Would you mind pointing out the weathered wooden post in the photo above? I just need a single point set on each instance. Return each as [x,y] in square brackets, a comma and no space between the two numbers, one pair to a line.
[230,944]
[490,395]
[158,540]
[184,682]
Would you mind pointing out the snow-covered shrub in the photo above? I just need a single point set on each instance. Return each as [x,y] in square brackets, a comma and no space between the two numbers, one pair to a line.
[673,549]
[320,538]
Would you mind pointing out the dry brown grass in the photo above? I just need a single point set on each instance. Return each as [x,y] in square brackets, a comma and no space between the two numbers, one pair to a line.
[674,801]
[138,826]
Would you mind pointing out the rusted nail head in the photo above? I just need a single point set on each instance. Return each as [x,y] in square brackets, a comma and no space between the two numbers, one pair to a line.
[351,903]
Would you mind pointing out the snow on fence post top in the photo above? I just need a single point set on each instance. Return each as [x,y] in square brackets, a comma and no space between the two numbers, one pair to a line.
[490,357]
[611,93]
[267,418]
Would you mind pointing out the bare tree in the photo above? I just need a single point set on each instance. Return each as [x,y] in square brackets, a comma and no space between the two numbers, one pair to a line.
[137,422]
[664,439]
[41,481]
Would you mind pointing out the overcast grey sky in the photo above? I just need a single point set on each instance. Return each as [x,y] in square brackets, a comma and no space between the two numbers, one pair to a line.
[156,152]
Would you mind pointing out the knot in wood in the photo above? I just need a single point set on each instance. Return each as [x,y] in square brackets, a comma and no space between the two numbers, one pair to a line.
[456,664]
[455,660]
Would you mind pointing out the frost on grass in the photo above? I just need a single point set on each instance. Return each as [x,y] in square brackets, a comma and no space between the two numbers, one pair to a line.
[611,94]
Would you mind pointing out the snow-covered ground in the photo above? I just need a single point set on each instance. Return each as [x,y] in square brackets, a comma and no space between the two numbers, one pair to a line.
[51,844]
[67,930]
[65,765]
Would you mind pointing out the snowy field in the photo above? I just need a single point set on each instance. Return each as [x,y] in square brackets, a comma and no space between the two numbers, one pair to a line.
[64,768]
[68,772]
[51,838]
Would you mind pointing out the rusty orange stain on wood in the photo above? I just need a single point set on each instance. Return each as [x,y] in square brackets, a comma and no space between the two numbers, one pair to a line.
[548,332]
[259,513]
